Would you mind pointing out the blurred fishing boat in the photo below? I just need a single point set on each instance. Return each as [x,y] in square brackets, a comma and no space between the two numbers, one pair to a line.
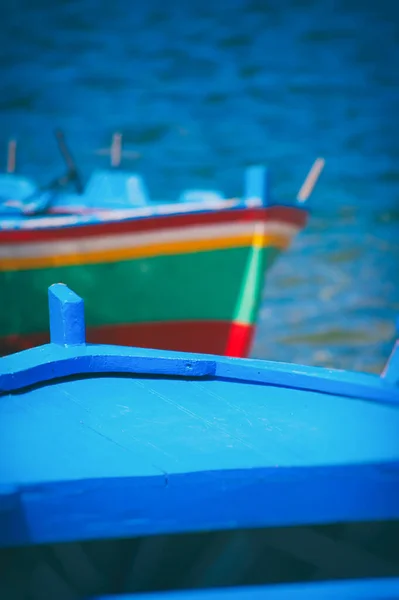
[131,470]
[185,275]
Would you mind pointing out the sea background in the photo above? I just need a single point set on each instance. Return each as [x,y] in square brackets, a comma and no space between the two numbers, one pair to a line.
[200,90]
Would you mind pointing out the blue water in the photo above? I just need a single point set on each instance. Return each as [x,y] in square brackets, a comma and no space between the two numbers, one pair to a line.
[201,89]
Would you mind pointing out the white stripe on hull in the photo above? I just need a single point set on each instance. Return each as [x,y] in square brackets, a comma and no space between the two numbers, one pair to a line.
[134,240]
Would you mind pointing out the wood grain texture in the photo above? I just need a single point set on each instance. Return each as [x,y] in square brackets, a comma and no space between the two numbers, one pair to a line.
[144,456]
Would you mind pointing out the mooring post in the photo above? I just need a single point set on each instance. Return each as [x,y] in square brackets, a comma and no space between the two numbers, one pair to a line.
[11,156]
[67,322]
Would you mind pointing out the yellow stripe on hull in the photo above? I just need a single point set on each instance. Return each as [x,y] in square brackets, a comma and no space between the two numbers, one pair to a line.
[121,254]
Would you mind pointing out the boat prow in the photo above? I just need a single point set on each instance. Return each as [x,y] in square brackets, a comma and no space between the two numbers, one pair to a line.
[186,275]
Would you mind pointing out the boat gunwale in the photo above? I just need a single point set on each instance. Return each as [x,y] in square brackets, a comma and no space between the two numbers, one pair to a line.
[52,363]
[68,355]
[53,220]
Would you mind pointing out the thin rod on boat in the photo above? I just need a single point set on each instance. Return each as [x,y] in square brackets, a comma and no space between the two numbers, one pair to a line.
[116,150]
[11,156]
[67,156]
[311,180]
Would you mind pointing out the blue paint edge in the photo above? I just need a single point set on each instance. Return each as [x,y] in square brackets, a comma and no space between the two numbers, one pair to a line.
[129,506]
[386,588]
[68,356]
[52,362]
[45,365]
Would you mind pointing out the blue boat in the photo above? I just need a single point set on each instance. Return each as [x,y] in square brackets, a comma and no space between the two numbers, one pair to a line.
[128,470]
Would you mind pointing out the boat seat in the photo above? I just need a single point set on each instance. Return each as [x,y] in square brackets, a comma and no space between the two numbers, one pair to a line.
[15,187]
[197,195]
[14,190]
[115,189]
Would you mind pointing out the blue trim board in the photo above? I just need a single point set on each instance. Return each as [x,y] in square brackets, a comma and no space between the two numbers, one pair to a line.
[215,500]
[48,364]
[362,589]
[68,356]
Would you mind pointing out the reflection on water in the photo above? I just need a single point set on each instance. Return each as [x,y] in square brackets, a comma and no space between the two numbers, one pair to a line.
[200,90]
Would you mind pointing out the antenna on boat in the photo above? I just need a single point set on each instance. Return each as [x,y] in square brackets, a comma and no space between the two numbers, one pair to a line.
[311,180]
[11,156]
[73,173]
[115,151]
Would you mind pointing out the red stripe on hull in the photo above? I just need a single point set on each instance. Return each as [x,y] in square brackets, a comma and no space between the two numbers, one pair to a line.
[239,341]
[292,216]
[208,337]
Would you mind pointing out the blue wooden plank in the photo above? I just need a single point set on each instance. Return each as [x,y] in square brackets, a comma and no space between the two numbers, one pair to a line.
[190,448]
[47,363]
[188,433]
[52,362]
[67,322]
[213,428]
[328,381]
[12,514]
[215,500]
[364,589]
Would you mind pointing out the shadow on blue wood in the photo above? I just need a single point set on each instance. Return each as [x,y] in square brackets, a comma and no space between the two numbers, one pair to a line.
[369,589]
[127,441]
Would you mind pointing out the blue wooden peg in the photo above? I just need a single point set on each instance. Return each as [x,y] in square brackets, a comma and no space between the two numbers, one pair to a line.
[67,322]
[257,184]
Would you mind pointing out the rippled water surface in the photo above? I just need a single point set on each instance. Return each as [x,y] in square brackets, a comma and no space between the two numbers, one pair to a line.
[202,89]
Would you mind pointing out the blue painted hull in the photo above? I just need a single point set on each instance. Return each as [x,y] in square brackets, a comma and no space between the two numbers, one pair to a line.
[137,470]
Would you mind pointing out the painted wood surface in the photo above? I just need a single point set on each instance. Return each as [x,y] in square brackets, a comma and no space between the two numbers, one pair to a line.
[138,442]
[368,589]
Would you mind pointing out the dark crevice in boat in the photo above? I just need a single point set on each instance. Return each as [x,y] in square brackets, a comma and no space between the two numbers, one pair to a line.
[71,571]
